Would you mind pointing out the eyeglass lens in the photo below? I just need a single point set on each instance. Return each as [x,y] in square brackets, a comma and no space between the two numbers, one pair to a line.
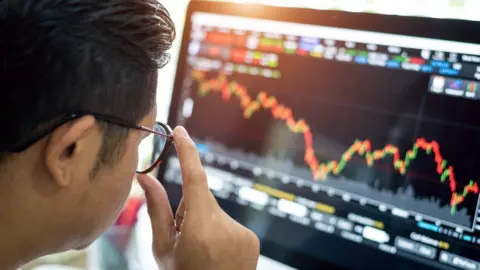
[151,148]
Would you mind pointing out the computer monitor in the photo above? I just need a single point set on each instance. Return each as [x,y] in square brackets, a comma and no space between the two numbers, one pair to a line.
[344,140]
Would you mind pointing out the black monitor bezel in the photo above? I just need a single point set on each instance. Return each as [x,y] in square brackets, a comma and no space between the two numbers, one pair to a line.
[445,29]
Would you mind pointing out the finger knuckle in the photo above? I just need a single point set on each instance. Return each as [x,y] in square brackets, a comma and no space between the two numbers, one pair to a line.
[205,238]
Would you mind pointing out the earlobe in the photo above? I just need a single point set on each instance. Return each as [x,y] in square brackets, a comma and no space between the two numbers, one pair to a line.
[61,152]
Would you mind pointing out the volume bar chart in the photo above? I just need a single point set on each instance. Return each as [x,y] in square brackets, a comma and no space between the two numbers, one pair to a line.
[360,148]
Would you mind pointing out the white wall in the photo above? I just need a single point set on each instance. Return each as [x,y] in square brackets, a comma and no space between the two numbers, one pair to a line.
[177,9]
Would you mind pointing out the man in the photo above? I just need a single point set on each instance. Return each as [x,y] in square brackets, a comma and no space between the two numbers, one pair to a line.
[67,68]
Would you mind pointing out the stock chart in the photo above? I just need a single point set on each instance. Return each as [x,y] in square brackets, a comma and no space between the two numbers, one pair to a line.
[383,151]
[320,171]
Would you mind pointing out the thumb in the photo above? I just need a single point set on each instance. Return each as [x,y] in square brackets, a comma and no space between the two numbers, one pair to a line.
[195,186]
[161,215]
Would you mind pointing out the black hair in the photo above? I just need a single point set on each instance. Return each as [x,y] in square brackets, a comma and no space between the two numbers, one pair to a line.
[63,56]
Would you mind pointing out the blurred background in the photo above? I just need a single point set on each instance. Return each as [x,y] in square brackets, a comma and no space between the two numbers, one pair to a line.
[127,244]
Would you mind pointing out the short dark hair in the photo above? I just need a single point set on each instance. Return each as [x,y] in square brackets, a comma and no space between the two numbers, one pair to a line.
[64,56]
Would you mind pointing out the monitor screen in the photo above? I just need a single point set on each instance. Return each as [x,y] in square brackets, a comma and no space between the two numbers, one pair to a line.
[350,147]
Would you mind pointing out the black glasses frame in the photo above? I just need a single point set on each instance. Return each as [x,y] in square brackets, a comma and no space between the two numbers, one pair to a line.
[109,119]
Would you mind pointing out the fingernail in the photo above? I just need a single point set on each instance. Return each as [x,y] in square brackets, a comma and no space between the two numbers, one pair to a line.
[181,131]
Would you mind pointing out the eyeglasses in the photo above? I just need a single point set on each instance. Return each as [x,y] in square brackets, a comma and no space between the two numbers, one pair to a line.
[152,150]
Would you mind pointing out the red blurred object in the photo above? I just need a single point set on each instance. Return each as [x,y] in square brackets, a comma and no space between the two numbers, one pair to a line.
[241,41]
[239,55]
[302,52]
[220,38]
[416,60]
[128,216]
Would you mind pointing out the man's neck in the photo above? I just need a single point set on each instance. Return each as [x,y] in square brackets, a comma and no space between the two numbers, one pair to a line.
[19,244]
[25,230]
[14,252]
[12,257]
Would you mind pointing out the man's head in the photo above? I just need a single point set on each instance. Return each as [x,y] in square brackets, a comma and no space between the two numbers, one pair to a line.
[59,57]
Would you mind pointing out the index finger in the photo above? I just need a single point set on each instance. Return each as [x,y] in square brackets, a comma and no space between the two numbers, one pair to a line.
[195,185]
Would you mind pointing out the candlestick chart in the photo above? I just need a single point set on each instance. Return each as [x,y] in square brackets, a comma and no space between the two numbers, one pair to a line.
[401,160]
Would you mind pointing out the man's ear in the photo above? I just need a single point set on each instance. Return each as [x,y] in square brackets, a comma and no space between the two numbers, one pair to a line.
[67,148]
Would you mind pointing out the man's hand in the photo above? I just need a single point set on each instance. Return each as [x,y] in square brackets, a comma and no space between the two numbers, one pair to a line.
[202,236]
